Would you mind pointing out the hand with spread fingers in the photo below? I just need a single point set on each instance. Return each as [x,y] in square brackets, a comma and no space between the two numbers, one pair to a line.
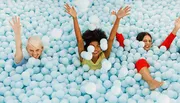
[122,12]
[176,26]
[119,15]
[177,23]
[16,25]
[70,10]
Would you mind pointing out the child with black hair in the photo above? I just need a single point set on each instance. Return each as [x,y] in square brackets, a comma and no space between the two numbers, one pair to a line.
[93,38]
[142,65]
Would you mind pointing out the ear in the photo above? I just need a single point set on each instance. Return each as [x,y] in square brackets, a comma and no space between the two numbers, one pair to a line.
[27,49]
[42,48]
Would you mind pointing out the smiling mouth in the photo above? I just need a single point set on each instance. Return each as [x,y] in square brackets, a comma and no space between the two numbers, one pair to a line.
[147,46]
[96,52]
[36,57]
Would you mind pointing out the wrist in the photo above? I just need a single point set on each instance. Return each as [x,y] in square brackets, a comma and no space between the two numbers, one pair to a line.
[119,17]
[175,30]
[74,17]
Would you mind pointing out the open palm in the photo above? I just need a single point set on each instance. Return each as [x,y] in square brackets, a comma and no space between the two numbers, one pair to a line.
[123,12]
[70,10]
[16,25]
[177,23]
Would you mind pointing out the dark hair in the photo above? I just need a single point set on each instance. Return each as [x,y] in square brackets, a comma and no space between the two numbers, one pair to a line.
[141,35]
[95,35]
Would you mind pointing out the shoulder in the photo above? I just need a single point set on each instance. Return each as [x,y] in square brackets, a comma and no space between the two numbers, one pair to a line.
[23,61]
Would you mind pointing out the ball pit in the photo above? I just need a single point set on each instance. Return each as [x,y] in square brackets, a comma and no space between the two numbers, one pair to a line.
[59,77]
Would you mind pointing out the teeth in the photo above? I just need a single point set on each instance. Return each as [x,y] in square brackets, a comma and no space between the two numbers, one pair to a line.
[95,52]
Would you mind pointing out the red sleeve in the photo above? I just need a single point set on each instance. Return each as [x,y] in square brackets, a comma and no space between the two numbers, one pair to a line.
[167,42]
[120,39]
[140,64]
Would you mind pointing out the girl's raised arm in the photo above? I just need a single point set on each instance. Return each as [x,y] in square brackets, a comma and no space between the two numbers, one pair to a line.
[120,14]
[72,12]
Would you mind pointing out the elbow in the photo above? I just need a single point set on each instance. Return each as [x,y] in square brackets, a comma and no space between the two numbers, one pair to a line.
[18,59]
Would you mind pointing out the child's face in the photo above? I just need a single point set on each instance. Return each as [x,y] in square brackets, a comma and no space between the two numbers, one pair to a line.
[34,51]
[97,47]
[148,42]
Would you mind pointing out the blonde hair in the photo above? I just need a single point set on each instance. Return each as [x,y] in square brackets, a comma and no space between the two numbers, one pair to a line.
[35,41]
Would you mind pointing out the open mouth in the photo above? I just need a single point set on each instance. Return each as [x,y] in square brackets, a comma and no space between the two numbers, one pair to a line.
[96,52]
[36,56]
[147,47]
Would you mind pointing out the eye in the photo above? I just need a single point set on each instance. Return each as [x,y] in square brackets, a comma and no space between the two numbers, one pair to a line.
[31,50]
[144,40]
[37,50]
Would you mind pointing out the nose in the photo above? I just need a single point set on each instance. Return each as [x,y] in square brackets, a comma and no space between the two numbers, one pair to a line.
[35,54]
[147,43]
[95,48]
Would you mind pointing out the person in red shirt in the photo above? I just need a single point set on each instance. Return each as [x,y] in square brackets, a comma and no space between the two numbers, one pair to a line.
[142,65]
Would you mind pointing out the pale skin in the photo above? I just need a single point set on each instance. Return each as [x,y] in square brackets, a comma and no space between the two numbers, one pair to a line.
[34,50]
[120,14]
[16,26]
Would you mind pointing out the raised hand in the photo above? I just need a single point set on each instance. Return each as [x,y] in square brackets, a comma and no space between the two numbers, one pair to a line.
[120,14]
[16,25]
[177,23]
[176,26]
[123,12]
[70,10]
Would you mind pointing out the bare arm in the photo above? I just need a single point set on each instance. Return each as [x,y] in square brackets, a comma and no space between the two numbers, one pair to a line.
[16,26]
[167,42]
[120,14]
[177,26]
[72,12]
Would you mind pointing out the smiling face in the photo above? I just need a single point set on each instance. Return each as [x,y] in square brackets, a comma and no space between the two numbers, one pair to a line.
[34,47]
[148,42]
[97,49]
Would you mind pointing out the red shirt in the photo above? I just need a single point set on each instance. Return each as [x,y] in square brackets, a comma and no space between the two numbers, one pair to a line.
[142,62]
[120,39]
[167,42]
